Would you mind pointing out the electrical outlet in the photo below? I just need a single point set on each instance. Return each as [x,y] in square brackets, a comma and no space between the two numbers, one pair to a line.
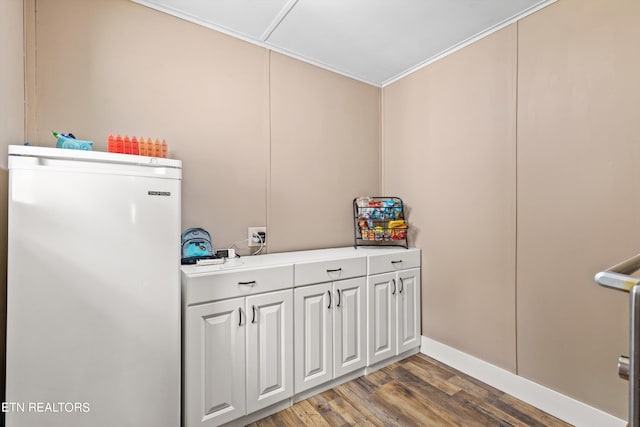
[254,241]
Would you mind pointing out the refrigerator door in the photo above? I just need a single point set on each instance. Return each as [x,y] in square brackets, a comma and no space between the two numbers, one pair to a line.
[93,295]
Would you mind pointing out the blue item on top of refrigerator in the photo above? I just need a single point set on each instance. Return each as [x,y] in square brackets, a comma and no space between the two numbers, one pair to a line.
[70,141]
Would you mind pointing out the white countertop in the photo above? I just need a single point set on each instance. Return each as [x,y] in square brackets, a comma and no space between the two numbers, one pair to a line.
[283,258]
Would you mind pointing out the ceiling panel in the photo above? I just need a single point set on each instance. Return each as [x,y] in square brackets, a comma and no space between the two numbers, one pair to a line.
[244,17]
[376,41]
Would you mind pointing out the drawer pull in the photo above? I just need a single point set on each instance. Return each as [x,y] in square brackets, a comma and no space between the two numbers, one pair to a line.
[396,262]
[329,292]
[401,285]
[252,282]
[334,270]
[394,286]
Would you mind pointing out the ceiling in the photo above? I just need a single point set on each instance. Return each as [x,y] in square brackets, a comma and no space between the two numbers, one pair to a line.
[375,41]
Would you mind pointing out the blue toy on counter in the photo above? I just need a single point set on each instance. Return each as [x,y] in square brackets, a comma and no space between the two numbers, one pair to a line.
[70,141]
[196,245]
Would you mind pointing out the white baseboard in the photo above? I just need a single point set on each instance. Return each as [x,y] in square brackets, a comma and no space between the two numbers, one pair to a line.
[566,408]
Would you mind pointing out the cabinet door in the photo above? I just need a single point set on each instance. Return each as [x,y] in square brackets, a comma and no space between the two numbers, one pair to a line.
[408,298]
[381,317]
[313,336]
[349,328]
[269,349]
[215,363]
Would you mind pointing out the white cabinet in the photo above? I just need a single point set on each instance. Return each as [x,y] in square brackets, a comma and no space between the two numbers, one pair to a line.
[349,326]
[238,357]
[215,362]
[259,330]
[408,309]
[238,350]
[330,337]
[393,313]
[269,348]
[381,317]
[313,336]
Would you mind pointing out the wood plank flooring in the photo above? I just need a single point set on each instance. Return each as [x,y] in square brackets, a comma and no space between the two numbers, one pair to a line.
[417,391]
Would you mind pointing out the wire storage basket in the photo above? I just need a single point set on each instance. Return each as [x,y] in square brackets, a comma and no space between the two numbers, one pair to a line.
[379,221]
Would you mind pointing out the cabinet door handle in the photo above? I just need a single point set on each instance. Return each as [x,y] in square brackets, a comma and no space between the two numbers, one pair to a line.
[240,316]
[252,282]
[334,270]
[394,286]
[253,308]
[329,292]
[401,285]
[396,262]
[339,298]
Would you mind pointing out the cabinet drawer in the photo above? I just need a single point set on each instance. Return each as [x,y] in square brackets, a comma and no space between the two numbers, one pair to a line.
[230,284]
[400,260]
[329,270]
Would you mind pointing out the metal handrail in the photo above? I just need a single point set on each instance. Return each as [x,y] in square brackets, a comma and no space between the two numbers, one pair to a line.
[617,277]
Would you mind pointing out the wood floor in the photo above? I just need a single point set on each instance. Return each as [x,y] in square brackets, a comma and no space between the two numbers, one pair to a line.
[417,391]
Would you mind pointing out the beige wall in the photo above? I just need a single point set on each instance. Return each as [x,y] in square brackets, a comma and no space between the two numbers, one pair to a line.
[323,153]
[449,151]
[11,131]
[11,76]
[124,68]
[574,178]
[578,181]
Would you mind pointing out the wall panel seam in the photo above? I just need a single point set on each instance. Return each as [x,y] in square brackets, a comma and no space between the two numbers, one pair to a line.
[269,136]
[516,88]
[381,142]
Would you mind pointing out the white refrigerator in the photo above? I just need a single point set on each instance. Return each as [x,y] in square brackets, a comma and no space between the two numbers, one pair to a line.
[93,289]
